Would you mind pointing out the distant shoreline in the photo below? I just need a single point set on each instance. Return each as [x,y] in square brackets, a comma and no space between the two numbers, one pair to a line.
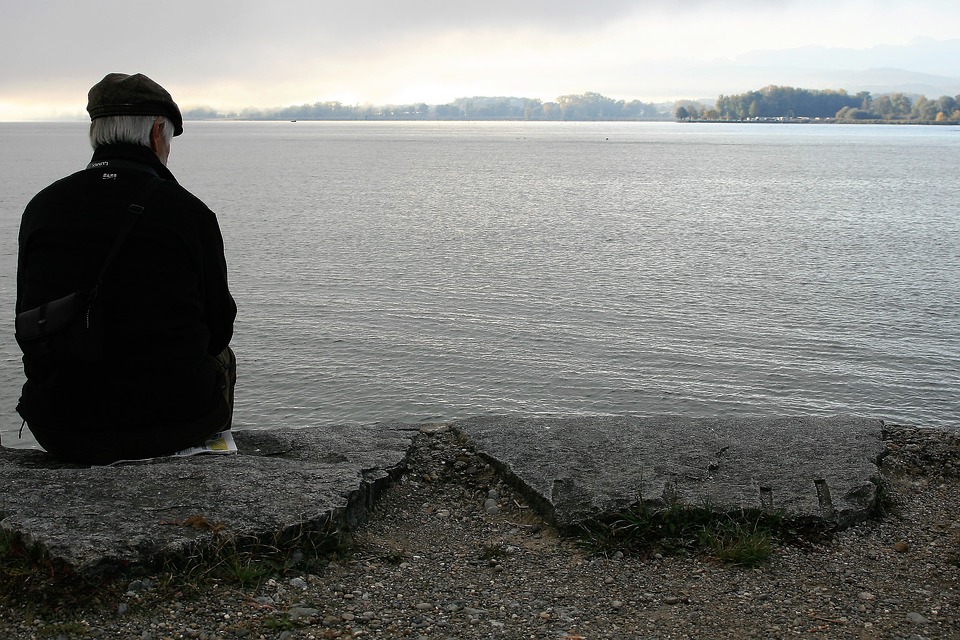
[816,121]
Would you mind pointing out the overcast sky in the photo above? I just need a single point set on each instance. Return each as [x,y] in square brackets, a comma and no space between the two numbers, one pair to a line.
[235,54]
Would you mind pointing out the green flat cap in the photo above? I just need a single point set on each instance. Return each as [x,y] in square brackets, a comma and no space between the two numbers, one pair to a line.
[119,94]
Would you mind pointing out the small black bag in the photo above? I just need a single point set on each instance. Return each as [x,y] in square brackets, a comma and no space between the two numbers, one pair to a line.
[70,326]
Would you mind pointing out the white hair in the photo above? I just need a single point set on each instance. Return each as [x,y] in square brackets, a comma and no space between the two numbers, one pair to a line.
[126,130]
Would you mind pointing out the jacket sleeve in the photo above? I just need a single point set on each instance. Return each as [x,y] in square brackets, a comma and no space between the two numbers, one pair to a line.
[219,307]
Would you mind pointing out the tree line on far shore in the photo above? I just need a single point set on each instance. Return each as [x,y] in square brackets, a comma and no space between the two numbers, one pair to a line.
[769,103]
[584,106]
[789,103]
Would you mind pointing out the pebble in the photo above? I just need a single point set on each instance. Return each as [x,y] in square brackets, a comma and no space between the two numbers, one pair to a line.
[296,613]
[917,618]
[138,586]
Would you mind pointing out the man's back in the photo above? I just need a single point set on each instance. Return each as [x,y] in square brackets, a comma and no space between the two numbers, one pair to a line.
[165,380]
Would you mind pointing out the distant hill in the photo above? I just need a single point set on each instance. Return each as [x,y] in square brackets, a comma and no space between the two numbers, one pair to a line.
[879,70]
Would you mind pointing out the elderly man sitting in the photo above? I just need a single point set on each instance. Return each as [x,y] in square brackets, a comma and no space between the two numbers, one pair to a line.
[162,376]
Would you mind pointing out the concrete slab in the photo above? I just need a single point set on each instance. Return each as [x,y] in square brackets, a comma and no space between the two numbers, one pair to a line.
[585,467]
[288,481]
[282,483]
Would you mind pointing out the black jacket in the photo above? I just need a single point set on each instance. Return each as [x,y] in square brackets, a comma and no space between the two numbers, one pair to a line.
[165,298]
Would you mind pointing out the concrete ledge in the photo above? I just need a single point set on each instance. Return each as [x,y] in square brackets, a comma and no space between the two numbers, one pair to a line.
[101,519]
[287,481]
[823,469]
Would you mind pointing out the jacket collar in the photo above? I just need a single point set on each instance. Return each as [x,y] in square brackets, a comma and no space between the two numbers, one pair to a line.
[132,153]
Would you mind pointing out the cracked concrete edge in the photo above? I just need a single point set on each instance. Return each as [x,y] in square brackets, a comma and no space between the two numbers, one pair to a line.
[150,546]
[843,489]
[375,479]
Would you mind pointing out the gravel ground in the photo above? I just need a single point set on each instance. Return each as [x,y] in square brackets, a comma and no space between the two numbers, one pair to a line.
[452,552]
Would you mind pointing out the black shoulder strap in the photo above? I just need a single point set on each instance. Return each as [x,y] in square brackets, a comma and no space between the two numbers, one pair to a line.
[135,208]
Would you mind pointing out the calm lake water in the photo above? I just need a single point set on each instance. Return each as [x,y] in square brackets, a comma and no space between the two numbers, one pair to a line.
[427,271]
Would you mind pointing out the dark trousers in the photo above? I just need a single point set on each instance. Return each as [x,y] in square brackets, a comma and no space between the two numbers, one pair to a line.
[134,444]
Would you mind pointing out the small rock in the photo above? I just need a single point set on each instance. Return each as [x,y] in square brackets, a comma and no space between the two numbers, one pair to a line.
[296,613]
[671,600]
[434,429]
[140,585]
[866,595]
[901,547]
[916,618]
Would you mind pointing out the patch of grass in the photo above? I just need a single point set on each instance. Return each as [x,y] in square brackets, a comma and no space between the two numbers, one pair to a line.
[745,538]
[6,544]
[17,558]
[279,623]
[885,502]
[740,543]
[246,570]
[248,561]
[29,576]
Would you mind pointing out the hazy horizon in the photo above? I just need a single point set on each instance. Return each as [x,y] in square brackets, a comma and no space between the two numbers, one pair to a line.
[241,55]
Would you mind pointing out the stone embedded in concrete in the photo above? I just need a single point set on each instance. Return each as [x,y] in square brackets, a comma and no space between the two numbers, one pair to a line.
[282,481]
[575,469]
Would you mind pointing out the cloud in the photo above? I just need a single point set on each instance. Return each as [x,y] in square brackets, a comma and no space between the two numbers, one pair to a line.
[235,54]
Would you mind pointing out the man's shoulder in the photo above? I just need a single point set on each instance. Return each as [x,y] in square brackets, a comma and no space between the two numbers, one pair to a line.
[95,187]
[69,185]
[173,193]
